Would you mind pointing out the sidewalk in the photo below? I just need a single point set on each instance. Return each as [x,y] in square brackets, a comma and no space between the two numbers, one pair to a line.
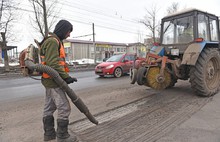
[203,126]
[16,71]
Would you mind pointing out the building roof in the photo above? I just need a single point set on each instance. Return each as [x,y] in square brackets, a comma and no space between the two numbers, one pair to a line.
[8,47]
[101,42]
[185,11]
[11,47]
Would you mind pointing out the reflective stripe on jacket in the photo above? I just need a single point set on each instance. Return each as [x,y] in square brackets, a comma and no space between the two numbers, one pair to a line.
[61,58]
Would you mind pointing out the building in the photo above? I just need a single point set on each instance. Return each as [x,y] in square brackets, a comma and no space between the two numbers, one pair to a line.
[11,52]
[79,49]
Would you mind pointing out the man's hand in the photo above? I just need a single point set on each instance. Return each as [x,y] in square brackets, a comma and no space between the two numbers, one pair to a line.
[69,80]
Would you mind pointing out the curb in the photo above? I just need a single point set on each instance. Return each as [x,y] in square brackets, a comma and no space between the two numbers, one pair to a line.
[20,74]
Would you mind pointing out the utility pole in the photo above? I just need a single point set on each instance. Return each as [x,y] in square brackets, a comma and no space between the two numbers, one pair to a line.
[93,33]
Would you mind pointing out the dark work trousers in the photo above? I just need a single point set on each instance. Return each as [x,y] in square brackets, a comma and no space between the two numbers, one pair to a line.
[56,99]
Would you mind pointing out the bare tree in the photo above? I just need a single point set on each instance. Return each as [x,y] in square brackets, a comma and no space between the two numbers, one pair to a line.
[7,17]
[173,8]
[45,15]
[151,22]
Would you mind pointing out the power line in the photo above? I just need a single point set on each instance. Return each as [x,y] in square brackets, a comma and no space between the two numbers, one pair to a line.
[78,21]
[99,12]
[82,36]
[82,21]
[96,12]
[116,28]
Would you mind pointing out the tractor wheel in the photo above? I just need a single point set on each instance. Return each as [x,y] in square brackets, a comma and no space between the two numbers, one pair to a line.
[205,75]
[141,79]
[157,82]
[133,75]
[118,72]
[173,82]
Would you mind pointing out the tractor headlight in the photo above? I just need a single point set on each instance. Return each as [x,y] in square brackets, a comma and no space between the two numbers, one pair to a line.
[110,66]
[175,52]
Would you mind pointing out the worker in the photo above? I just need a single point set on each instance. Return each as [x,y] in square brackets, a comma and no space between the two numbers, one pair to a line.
[53,55]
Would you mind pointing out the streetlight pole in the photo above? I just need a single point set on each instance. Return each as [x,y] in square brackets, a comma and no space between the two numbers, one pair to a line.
[93,31]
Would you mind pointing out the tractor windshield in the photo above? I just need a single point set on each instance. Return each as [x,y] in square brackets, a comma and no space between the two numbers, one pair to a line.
[178,31]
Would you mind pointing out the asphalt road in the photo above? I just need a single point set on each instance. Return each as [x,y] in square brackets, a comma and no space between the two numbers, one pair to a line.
[22,102]
[126,113]
[18,88]
[148,119]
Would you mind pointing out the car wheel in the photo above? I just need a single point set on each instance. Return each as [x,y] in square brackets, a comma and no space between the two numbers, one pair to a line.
[118,72]
[101,76]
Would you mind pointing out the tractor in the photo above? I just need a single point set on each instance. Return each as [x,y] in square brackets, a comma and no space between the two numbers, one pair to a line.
[188,50]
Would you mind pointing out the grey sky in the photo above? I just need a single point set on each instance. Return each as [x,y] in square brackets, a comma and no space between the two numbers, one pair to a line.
[115,20]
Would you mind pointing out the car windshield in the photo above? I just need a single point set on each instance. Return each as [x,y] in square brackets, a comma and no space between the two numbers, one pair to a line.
[178,30]
[115,58]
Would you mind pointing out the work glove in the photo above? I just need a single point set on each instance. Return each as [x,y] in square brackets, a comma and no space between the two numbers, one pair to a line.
[69,80]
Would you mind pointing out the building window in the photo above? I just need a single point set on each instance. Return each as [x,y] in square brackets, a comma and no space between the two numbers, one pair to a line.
[66,49]
[118,49]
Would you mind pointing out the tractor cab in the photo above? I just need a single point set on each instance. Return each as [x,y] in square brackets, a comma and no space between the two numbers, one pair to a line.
[188,50]
[182,28]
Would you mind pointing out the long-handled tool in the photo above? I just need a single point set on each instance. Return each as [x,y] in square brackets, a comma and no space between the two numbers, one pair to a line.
[55,75]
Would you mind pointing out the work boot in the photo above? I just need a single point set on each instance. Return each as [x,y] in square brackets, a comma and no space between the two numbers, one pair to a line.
[62,132]
[49,131]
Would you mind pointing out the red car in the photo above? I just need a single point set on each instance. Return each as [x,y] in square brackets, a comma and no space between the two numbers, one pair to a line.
[116,65]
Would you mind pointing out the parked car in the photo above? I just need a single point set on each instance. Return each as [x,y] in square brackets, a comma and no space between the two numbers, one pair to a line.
[116,65]
[105,59]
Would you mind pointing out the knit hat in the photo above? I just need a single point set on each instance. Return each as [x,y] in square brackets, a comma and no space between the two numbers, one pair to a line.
[62,28]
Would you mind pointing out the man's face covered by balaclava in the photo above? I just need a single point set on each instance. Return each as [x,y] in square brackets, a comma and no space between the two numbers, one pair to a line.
[62,28]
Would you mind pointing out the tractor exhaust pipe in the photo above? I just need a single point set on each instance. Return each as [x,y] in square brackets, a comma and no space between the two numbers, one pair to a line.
[29,58]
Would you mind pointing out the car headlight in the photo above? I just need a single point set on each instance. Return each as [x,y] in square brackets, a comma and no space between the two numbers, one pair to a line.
[110,66]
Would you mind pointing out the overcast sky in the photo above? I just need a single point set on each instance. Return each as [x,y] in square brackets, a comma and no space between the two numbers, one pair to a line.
[115,20]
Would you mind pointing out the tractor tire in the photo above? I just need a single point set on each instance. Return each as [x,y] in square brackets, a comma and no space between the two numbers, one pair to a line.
[141,78]
[133,75]
[118,72]
[173,82]
[205,75]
